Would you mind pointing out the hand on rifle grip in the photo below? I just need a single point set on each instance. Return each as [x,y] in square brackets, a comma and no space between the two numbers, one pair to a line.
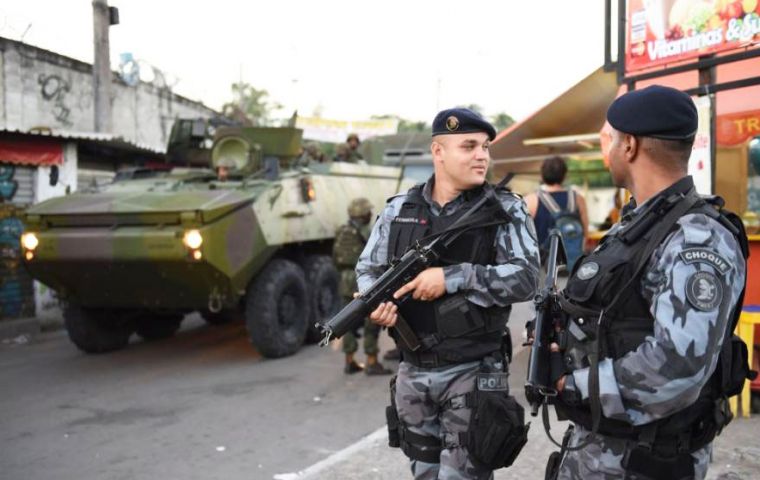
[385,314]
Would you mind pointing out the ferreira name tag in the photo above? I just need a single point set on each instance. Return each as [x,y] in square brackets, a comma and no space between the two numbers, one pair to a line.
[492,382]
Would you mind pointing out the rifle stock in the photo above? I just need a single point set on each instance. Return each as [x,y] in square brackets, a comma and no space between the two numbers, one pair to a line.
[538,383]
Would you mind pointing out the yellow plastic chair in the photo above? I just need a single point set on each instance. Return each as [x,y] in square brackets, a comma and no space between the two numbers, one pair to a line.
[746,330]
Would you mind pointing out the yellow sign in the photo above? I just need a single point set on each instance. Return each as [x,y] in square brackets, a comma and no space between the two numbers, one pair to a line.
[336,131]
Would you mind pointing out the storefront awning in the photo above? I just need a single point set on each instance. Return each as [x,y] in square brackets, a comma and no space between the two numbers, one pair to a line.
[570,124]
[37,152]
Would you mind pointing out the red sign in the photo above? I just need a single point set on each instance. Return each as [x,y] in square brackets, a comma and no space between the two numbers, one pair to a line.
[737,128]
[667,31]
[31,152]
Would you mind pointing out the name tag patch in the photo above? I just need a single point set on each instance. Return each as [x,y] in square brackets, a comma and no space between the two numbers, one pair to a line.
[420,221]
[704,255]
[704,291]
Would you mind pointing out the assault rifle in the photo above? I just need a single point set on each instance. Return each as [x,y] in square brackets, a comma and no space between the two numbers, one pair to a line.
[538,385]
[415,260]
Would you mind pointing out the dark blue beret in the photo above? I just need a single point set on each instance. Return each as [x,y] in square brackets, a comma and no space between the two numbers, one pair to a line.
[461,120]
[655,111]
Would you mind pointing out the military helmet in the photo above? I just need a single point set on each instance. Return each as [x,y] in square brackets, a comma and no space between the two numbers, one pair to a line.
[359,207]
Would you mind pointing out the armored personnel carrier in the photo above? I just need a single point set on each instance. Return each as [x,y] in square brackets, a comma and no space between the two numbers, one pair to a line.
[250,237]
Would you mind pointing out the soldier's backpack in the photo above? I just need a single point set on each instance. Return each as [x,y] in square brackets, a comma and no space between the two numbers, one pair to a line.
[568,222]
[348,246]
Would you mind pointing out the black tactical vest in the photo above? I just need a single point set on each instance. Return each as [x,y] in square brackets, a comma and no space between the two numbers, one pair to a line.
[452,327]
[600,277]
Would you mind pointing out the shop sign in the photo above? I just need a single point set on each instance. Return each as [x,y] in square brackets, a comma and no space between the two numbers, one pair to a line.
[737,128]
[667,31]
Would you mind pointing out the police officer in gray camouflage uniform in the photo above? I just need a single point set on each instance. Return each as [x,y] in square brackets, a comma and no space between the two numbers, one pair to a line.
[666,283]
[485,271]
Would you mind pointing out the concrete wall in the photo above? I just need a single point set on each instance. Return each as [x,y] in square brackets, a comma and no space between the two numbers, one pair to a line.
[39,88]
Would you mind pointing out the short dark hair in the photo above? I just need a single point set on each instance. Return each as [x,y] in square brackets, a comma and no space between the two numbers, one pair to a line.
[553,170]
[672,154]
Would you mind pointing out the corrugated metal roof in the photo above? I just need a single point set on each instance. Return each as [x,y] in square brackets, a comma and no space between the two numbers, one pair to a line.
[106,139]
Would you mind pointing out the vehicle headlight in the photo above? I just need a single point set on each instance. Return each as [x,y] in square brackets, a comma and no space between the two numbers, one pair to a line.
[193,239]
[29,241]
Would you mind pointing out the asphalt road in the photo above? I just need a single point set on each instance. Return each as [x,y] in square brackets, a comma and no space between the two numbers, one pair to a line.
[203,404]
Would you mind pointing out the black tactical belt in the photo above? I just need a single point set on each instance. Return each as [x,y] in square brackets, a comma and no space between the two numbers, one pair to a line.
[427,359]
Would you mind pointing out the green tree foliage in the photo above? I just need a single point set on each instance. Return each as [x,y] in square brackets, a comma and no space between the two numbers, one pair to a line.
[250,106]
[502,121]
[588,172]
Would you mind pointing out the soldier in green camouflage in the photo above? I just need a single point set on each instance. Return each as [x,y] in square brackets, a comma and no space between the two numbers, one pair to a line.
[353,142]
[349,243]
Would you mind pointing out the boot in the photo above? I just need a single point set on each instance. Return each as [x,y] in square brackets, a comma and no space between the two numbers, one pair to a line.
[351,365]
[392,354]
[374,367]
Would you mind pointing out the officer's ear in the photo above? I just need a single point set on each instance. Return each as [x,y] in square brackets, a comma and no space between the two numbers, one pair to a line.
[631,145]
[436,150]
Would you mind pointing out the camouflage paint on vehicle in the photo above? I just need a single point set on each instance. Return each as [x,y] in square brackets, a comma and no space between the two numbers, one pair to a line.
[122,246]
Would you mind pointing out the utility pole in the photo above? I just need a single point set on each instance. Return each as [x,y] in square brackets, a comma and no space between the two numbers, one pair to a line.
[103,18]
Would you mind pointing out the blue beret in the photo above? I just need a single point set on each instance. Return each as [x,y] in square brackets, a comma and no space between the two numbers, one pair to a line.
[461,120]
[655,111]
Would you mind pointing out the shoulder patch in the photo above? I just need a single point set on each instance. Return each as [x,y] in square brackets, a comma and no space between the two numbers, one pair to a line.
[587,271]
[705,255]
[704,291]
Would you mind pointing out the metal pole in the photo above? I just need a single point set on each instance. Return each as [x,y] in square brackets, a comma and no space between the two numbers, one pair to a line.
[607,36]
[621,35]
[707,77]
[101,68]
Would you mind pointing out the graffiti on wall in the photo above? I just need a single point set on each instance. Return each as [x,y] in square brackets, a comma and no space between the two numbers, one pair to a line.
[56,89]
[8,185]
[15,284]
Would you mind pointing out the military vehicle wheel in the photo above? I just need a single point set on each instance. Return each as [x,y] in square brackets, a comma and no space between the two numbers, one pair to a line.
[97,330]
[157,327]
[221,317]
[322,278]
[277,309]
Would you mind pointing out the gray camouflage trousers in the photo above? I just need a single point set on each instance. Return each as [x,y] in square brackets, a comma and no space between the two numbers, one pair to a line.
[420,393]
[601,458]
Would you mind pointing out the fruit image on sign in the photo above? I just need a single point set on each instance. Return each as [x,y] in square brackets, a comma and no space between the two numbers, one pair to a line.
[667,31]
